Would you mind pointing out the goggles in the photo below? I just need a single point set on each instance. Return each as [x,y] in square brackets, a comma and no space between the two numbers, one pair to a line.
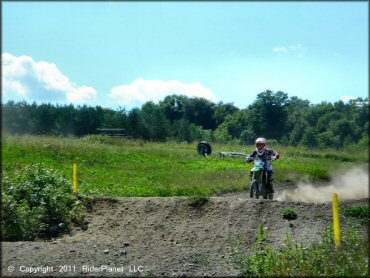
[260,145]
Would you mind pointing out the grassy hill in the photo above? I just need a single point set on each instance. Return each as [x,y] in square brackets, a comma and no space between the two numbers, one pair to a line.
[117,167]
[217,237]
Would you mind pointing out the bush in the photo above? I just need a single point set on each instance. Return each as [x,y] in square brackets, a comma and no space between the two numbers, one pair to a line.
[289,214]
[38,203]
[272,142]
[319,259]
[356,211]
[198,201]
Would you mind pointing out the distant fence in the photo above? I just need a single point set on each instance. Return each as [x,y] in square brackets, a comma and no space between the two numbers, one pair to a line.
[231,154]
[114,132]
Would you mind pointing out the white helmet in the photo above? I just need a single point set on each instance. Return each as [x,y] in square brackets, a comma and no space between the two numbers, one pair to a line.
[260,145]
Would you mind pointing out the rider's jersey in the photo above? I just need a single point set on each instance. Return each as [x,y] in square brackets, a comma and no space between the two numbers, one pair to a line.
[265,156]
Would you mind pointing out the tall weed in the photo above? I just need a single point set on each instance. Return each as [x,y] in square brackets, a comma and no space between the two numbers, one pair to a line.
[320,259]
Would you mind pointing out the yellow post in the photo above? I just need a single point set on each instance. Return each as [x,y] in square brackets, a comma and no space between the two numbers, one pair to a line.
[336,220]
[75,184]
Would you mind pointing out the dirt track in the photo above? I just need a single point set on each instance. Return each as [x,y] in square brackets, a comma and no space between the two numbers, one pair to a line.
[166,237]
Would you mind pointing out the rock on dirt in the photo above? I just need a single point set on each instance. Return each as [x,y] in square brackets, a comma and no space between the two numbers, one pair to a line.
[164,236]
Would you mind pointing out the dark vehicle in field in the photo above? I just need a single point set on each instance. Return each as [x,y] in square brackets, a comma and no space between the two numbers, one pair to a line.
[204,148]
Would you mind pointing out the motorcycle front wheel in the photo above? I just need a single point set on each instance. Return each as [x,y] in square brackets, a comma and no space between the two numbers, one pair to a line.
[253,189]
[258,190]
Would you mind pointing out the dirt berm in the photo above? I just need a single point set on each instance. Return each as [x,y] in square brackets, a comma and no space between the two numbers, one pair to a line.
[167,237]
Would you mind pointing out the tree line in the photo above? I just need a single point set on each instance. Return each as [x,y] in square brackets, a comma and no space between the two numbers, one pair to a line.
[274,115]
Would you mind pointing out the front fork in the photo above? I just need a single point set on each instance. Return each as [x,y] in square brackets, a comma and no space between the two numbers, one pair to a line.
[260,177]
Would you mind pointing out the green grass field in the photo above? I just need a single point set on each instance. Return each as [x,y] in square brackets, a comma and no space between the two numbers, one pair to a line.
[117,167]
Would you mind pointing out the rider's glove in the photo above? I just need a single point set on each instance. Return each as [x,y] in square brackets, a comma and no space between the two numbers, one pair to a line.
[277,155]
[249,159]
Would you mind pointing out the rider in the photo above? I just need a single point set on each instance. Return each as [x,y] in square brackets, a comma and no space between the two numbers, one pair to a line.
[265,154]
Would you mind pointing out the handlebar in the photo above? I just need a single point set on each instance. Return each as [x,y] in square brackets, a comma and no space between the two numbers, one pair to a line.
[256,158]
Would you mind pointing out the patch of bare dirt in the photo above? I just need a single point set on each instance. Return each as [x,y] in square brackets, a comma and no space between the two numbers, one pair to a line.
[166,237]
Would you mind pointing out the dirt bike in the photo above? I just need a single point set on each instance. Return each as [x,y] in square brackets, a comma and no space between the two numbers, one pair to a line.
[259,184]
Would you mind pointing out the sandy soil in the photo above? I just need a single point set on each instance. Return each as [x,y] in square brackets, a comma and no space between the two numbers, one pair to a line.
[166,237]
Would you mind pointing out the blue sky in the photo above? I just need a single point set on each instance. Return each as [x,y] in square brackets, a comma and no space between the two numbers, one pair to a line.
[126,53]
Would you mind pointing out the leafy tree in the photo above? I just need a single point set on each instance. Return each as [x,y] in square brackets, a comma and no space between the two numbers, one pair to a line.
[16,117]
[200,111]
[221,111]
[181,130]
[64,120]
[114,119]
[43,118]
[270,113]
[318,111]
[309,138]
[360,117]
[325,139]
[342,129]
[296,110]
[324,122]
[87,120]
[155,122]
[221,134]
[173,107]
[298,132]
[135,124]
[235,123]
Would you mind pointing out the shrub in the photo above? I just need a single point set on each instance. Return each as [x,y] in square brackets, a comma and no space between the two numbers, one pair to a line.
[356,211]
[38,203]
[198,201]
[319,259]
[272,142]
[100,139]
[289,214]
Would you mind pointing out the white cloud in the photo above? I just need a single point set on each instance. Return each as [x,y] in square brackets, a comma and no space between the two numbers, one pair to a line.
[296,49]
[24,78]
[141,91]
[346,99]
[280,50]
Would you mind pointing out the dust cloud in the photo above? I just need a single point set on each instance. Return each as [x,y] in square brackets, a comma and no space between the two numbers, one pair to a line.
[353,184]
